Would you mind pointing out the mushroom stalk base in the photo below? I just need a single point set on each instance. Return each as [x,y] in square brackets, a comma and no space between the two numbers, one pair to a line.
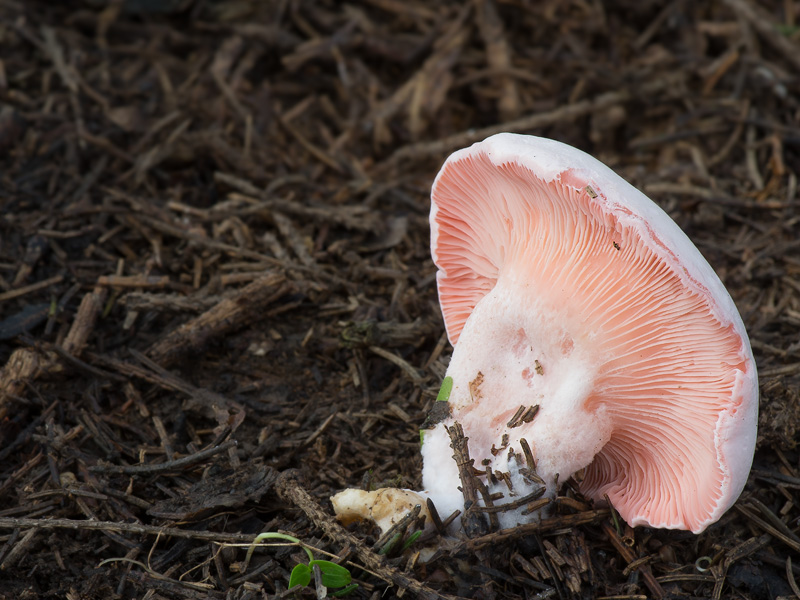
[385,507]
[522,390]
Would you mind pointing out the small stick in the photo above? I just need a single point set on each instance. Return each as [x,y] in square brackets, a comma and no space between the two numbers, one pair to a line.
[231,313]
[27,364]
[498,56]
[134,528]
[166,466]
[523,415]
[453,516]
[437,520]
[397,530]
[567,112]
[526,450]
[472,522]
[517,503]
[520,531]
[536,506]
[762,22]
[628,556]
[515,419]
[489,508]
[11,294]
[530,413]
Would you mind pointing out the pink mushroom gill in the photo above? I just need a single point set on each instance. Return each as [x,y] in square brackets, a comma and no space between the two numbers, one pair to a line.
[563,286]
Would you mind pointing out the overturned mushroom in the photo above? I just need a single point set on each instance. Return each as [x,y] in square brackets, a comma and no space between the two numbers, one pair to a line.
[565,288]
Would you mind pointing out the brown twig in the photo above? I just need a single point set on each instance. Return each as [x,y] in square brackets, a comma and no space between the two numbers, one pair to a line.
[230,314]
[569,112]
[178,463]
[472,521]
[767,29]
[520,531]
[498,56]
[627,554]
[25,363]
[133,528]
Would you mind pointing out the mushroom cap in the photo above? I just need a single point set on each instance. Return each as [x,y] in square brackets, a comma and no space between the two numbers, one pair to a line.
[672,373]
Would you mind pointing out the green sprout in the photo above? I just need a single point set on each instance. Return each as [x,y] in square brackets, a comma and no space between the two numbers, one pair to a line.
[444,391]
[333,575]
[788,30]
[411,539]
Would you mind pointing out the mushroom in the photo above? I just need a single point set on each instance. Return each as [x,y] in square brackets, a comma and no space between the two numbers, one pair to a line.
[564,287]
[591,339]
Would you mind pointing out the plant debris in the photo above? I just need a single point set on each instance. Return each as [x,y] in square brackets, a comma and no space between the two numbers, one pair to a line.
[218,307]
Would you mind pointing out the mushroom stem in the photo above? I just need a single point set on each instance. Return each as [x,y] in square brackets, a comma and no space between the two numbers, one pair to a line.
[510,358]
[385,506]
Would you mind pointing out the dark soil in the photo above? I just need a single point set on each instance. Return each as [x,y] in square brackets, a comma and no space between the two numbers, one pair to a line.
[218,307]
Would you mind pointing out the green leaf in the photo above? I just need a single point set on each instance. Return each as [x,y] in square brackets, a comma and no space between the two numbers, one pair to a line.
[345,591]
[421,437]
[444,391]
[411,539]
[387,547]
[301,575]
[333,575]
[788,30]
[270,535]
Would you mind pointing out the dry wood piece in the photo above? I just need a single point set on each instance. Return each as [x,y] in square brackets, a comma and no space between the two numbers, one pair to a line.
[16,293]
[550,524]
[233,490]
[427,87]
[498,55]
[134,281]
[139,301]
[229,315]
[625,551]
[561,114]
[761,20]
[350,216]
[472,520]
[26,364]
[166,466]
[135,528]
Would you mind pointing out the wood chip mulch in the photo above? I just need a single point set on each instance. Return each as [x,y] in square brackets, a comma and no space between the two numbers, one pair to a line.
[218,307]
